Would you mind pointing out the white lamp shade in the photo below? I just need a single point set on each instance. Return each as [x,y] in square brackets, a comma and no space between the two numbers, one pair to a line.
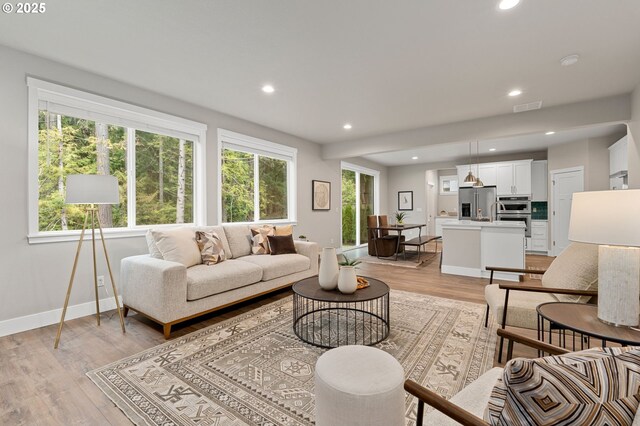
[606,217]
[92,189]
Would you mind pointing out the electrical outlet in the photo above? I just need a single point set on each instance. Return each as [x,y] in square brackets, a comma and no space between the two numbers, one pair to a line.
[100,280]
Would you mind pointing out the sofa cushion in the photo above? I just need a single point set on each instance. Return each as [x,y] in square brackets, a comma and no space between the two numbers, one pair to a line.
[279,266]
[204,281]
[284,230]
[221,234]
[210,245]
[178,245]
[575,268]
[239,237]
[593,387]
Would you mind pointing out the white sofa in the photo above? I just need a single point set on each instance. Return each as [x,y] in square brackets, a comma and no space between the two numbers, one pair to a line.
[168,292]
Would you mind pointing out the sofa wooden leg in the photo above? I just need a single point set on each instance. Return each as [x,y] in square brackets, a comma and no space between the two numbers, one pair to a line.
[167,330]
[125,311]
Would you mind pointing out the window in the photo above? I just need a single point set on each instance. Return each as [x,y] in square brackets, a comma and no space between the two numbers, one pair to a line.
[155,157]
[448,185]
[257,179]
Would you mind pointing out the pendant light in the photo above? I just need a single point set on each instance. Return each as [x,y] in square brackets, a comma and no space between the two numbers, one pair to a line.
[478,183]
[470,177]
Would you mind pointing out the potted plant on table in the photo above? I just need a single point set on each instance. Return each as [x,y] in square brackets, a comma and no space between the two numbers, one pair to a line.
[347,279]
[400,216]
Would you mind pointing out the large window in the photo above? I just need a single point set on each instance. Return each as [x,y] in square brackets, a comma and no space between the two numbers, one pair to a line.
[153,156]
[257,179]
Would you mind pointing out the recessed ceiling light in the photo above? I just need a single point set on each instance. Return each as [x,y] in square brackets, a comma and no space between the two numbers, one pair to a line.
[414,158]
[569,60]
[347,126]
[508,4]
[492,149]
[515,92]
[267,88]
[550,133]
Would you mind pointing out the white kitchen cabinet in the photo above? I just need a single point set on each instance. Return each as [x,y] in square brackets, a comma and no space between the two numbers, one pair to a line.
[619,156]
[539,236]
[514,178]
[488,174]
[539,180]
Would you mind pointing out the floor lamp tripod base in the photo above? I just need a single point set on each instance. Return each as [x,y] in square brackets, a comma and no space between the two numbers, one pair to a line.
[91,213]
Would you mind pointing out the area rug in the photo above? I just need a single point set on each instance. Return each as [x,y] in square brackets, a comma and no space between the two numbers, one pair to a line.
[252,369]
[410,262]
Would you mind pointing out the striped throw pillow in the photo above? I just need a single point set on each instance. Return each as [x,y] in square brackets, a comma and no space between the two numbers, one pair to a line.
[593,387]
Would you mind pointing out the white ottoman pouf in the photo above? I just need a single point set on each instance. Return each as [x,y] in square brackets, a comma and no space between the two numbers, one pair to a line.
[359,385]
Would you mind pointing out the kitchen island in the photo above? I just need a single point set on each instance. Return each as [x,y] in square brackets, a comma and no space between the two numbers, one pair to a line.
[468,247]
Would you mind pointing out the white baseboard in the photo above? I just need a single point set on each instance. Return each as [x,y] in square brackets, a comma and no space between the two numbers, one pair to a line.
[477,273]
[30,322]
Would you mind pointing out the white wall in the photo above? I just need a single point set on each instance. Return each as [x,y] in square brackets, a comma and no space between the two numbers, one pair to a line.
[634,140]
[448,203]
[34,278]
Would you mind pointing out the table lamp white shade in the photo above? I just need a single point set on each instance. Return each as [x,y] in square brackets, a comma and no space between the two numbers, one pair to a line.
[606,217]
[92,189]
[611,219]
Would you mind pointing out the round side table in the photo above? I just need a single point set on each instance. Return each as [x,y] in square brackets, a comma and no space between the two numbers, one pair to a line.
[329,319]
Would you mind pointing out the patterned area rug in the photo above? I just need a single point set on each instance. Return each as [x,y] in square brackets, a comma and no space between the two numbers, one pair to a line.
[410,262]
[252,369]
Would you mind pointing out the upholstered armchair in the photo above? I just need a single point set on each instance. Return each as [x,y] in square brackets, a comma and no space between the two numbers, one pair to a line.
[542,390]
[571,277]
[386,243]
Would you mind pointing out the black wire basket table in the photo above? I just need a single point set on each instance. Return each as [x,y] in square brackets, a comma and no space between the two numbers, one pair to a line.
[329,319]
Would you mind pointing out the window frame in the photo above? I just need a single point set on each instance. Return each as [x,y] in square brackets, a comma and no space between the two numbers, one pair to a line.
[249,144]
[95,107]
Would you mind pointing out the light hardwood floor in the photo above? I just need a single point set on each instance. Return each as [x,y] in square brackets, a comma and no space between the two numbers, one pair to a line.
[43,386]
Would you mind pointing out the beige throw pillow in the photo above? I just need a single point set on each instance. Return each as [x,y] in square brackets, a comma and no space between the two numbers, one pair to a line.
[153,247]
[211,247]
[284,230]
[178,245]
[260,241]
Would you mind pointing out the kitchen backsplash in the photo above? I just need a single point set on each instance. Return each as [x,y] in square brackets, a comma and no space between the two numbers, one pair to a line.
[539,210]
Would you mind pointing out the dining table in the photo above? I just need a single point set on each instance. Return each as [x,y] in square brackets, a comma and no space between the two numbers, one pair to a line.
[399,229]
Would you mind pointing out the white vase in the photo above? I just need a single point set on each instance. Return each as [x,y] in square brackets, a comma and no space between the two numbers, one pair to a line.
[328,273]
[347,280]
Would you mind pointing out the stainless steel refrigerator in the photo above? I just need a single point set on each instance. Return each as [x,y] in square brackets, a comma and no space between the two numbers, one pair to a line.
[475,203]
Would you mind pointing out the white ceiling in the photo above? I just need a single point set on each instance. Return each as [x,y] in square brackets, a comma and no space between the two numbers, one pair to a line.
[382,65]
[459,152]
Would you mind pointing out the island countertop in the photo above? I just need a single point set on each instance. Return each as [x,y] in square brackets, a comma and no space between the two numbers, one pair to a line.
[483,224]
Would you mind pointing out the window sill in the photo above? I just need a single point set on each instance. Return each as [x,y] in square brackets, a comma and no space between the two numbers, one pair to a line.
[110,233]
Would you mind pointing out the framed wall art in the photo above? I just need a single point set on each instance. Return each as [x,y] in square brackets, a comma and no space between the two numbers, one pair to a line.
[321,195]
[405,200]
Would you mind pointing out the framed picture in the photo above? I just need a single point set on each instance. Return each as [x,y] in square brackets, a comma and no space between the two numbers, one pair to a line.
[321,195]
[405,200]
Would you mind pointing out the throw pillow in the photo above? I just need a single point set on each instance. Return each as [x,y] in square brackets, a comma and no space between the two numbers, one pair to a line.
[593,387]
[153,247]
[575,268]
[211,247]
[259,241]
[284,230]
[178,245]
[281,244]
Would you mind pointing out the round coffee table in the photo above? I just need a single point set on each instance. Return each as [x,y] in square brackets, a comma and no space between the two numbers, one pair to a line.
[329,319]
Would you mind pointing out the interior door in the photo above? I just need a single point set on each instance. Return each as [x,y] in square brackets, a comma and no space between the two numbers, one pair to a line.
[564,185]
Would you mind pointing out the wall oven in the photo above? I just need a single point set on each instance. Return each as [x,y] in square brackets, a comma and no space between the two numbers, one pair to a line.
[516,217]
[518,205]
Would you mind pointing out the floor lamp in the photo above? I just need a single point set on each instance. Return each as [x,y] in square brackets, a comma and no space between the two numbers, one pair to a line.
[611,219]
[91,190]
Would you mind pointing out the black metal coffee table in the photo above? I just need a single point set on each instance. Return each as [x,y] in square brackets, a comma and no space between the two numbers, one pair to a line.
[329,319]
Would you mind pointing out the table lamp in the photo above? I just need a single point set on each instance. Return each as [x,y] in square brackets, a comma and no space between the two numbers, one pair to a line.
[611,219]
[91,190]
